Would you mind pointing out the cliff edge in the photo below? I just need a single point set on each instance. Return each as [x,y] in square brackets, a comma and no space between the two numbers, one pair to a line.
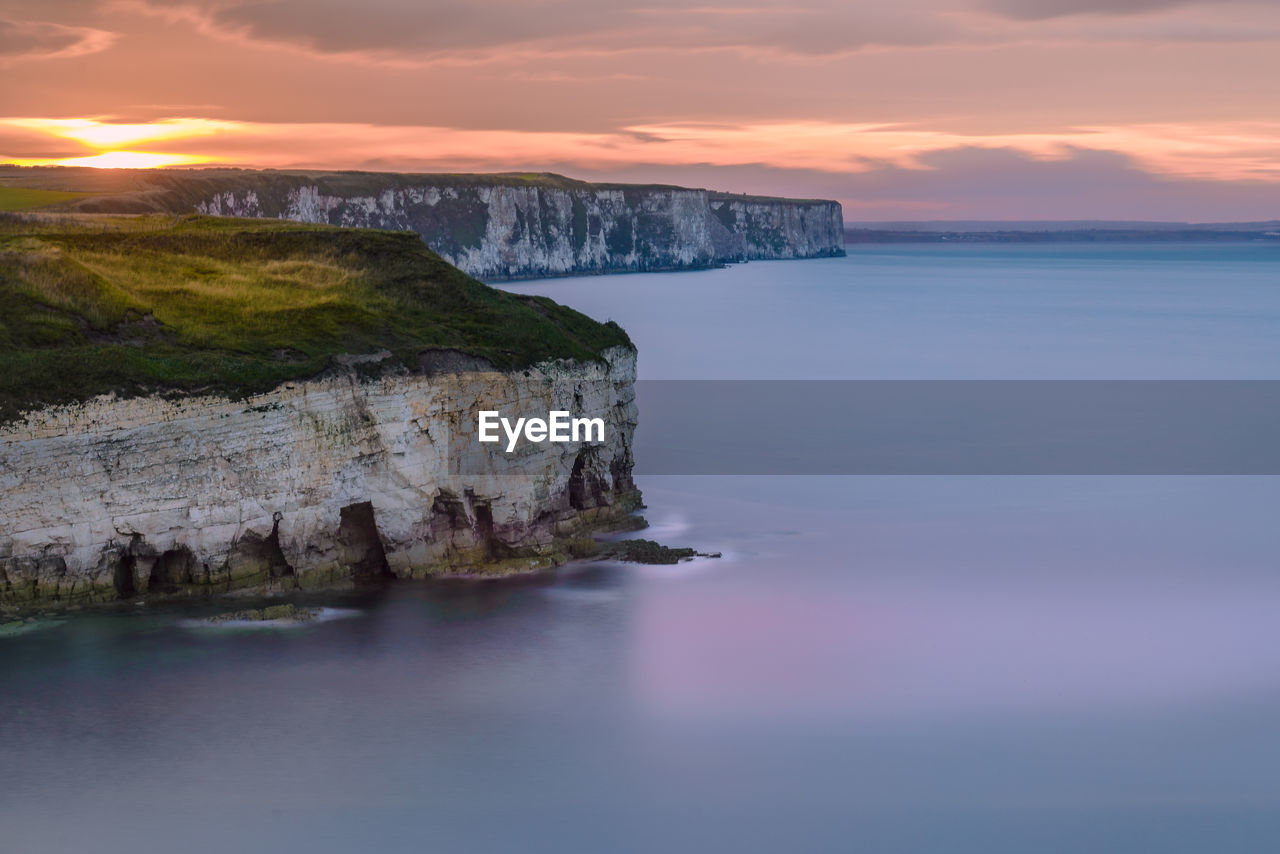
[202,405]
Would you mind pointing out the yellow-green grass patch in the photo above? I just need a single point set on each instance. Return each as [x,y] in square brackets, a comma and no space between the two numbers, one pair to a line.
[27,198]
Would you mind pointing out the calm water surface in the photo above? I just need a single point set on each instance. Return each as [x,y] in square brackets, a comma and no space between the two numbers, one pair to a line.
[910,664]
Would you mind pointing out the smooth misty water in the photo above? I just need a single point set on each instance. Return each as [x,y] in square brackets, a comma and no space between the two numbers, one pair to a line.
[993,311]
[880,664]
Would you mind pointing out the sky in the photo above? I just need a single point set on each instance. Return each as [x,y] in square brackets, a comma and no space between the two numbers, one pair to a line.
[899,109]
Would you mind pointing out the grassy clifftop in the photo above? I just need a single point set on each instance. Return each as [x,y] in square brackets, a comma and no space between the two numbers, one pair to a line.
[175,190]
[136,305]
[87,190]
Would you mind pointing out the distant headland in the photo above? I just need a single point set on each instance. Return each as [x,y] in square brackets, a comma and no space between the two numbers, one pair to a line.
[492,226]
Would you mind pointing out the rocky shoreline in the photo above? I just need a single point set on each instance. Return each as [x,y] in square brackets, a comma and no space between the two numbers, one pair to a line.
[19,618]
[327,484]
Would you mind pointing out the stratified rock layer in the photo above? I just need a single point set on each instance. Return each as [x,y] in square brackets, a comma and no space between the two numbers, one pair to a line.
[332,481]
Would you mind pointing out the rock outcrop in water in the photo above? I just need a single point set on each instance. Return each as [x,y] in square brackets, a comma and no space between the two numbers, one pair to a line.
[512,226]
[327,482]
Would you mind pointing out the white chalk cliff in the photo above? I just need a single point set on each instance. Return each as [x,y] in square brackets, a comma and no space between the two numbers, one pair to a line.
[509,226]
[334,480]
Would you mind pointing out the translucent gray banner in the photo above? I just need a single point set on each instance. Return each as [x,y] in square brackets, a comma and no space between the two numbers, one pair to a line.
[958,427]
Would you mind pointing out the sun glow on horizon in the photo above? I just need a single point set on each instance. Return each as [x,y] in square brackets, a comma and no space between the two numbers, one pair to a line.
[106,138]
[1222,151]
[115,160]
[108,135]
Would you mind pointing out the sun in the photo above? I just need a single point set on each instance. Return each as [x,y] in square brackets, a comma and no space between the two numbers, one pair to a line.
[106,137]
[117,160]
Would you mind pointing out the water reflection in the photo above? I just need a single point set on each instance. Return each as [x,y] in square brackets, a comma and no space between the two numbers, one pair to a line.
[998,658]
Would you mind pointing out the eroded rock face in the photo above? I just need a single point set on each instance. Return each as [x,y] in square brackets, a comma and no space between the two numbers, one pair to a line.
[327,482]
[505,231]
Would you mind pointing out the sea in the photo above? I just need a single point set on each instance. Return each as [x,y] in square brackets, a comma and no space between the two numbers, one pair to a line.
[882,663]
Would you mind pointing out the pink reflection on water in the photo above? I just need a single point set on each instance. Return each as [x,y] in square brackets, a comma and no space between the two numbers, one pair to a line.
[885,649]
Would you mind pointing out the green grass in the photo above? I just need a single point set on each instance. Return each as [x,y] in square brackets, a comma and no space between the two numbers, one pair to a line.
[26,198]
[138,305]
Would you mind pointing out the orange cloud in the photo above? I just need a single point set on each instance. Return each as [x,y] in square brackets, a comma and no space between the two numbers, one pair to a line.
[1228,151]
[1224,151]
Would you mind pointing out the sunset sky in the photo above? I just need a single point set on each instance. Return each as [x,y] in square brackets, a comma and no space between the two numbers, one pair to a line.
[910,109]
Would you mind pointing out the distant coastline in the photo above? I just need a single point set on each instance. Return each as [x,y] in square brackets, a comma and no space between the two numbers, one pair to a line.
[1067,231]
[496,227]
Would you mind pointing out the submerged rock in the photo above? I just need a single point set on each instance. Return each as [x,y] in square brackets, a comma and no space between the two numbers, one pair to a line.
[13,628]
[648,551]
[286,613]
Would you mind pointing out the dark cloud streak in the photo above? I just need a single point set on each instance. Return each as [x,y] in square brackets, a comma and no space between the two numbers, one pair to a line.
[426,28]
[23,40]
[1039,10]
[409,31]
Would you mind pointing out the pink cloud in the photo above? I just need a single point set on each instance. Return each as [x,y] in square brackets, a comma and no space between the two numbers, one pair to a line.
[1224,151]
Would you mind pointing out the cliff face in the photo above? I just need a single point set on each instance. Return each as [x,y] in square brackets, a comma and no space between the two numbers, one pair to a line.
[754,229]
[318,483]
[504,227]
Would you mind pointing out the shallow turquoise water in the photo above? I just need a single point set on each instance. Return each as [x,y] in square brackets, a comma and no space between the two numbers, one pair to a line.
[887,664]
